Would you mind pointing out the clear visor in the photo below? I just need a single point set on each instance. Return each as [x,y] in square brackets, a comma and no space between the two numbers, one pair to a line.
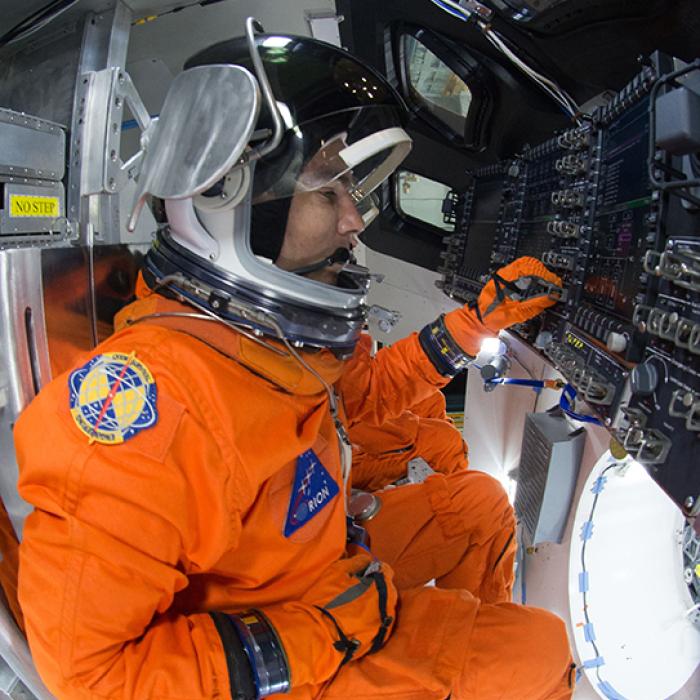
[360,167]
[358,148]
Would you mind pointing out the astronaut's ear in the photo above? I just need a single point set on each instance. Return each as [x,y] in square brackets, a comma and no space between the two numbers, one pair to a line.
[203,129]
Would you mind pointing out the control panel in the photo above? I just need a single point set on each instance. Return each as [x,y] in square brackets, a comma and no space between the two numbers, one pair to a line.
[612,206]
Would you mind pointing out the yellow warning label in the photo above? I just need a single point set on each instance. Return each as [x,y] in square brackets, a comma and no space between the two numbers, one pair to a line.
[26,205]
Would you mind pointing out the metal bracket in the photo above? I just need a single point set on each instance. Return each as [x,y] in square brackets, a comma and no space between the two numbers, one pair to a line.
[386,319]
[103,170]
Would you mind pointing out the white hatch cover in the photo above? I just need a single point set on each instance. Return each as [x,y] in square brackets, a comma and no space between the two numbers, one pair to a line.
[631,609]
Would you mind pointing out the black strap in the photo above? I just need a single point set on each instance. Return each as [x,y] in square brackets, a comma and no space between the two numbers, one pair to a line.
[474,306]
[382,594]
[344,644]
[500,283]
[348,646]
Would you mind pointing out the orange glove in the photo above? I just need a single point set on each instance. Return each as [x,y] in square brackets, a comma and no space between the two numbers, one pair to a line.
[352,610]
[517,292]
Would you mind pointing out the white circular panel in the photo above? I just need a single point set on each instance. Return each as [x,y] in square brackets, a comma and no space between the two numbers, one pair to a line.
[627,598]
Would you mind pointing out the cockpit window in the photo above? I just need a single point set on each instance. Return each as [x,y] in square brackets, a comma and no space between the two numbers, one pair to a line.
[421,198]
[435,85]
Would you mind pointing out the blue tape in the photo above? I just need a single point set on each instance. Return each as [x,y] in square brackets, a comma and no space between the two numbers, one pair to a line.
[587,530]
[588,633]
[579,675]
[610,692]
[583,581]
[594,663]
[599,484]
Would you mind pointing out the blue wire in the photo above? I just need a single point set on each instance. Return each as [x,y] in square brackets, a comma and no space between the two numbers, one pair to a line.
[565,401]
[451,10]
[537,383]
[568,395]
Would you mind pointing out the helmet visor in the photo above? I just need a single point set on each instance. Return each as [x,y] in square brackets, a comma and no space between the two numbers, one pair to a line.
[359,148]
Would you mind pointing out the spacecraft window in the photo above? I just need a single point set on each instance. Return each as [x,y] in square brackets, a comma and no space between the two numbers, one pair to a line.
[419,197]
[446,85]
[433,83]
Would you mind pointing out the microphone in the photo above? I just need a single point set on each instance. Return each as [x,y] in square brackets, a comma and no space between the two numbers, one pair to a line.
[340,255]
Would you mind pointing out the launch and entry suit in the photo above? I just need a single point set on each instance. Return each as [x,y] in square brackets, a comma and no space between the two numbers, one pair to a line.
[380,453]
[189,534]
[132,545]
[469,507]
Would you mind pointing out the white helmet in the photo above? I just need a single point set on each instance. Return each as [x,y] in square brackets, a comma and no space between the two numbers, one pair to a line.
[244,240]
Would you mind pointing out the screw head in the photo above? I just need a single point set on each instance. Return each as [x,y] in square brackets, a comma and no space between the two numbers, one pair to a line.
[689,502]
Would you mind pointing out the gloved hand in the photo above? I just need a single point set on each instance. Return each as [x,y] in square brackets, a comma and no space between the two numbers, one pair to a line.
[516,293]
[353,606]
[357,597]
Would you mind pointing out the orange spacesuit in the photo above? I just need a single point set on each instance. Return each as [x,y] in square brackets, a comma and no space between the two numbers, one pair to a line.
[9,562]
[190,538]
[131,545]
[380,453]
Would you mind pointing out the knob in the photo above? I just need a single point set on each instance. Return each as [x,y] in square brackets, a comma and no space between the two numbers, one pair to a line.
[644,379]
[616,342]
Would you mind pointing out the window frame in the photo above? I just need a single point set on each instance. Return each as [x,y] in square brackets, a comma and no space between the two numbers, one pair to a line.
[412,220]
[466,66]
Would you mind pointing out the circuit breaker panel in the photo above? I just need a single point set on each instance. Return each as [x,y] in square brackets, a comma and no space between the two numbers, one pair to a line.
[613,207]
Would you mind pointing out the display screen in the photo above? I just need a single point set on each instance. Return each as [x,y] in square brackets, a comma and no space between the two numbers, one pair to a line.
[623,204]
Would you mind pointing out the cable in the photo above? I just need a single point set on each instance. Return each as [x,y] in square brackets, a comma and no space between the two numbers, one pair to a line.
[566,400]
[36,21]
[174,282]
[174,10]
[450,11]
[565,101]
[534,383]
[570,107]
[598,489]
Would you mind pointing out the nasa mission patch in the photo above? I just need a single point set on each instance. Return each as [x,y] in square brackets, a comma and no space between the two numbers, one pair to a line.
[312,491]
[112,398]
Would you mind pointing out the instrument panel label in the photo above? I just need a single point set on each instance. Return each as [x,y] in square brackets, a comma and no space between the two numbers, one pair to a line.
[22,205]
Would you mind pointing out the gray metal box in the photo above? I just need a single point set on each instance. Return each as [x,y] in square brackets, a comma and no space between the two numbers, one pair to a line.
[36,208]
[549,466]
[678,121]
[32,165]
[31,147]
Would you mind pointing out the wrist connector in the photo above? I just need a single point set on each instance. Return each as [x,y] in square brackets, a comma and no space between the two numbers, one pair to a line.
[442,349]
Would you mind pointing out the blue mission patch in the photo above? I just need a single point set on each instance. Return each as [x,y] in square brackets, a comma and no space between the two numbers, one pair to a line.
[112,398]
[313,490]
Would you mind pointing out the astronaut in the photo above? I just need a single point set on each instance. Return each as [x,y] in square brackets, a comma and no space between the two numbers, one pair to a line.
[189,537]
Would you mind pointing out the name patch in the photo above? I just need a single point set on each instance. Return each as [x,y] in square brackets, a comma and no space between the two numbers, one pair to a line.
[312,491]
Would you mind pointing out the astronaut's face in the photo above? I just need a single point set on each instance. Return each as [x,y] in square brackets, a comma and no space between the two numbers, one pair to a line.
[320,221]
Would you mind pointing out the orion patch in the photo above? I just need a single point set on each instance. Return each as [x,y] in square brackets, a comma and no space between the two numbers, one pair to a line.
[313,490]
[112,398]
